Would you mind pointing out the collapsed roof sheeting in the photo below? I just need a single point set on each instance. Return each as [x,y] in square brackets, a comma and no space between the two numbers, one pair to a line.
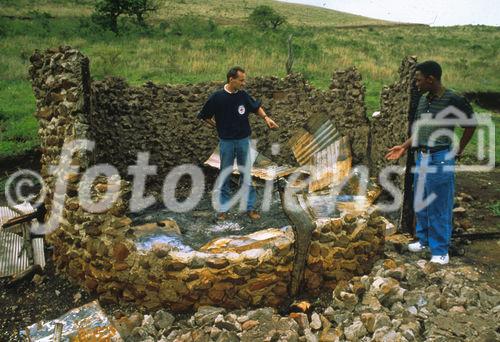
[262,167]
[323,154]
[313,140]
[327,153]
[6,213]
[14,257]
[85,323]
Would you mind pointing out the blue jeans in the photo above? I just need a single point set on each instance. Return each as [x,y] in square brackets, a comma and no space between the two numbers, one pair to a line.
[238,149]
[434,220]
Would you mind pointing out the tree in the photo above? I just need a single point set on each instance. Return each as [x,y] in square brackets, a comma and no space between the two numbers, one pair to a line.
[265,17]
[106,12]
[140,8]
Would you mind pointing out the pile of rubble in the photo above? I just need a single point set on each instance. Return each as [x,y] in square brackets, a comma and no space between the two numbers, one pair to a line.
[463,206]
[402,299]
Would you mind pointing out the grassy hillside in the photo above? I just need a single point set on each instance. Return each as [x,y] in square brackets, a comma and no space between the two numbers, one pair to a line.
[191,41]
[228,12]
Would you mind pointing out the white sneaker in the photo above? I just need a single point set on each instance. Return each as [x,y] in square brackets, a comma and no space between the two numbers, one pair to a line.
[416,247]
[441,259]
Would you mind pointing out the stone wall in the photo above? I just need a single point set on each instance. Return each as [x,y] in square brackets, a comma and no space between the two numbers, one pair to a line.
[82,243]
[392,126]
[60,81]
[100,250]
[398,105]
[342,248]
[162,119]
[250,270]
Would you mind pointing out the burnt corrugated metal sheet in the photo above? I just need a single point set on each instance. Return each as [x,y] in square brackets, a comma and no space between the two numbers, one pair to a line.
[331,165]
[38,252]
[307,145]
[13,259]
[325,151]
[6,213]
[262,167]
[85,323]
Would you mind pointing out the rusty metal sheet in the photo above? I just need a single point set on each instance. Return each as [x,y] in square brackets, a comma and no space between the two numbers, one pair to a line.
[324,150]
[307,144]
[84,324]
[331,165]
[262,167]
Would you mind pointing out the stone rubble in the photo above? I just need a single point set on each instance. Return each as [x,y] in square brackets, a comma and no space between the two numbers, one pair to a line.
[461,213]
[402,299]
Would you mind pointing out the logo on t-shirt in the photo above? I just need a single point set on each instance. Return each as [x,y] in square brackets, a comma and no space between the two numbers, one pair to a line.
[241,109]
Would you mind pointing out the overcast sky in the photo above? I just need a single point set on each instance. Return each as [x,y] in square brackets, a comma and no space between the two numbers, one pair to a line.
[432,12]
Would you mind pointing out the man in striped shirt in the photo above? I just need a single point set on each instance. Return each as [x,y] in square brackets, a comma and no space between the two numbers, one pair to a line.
[434,179]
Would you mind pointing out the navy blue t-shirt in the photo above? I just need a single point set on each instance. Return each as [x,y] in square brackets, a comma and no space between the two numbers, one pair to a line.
[231,112]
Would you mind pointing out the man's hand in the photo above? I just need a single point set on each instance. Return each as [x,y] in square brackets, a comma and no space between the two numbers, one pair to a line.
[210,122]
[395,152]
[270,123]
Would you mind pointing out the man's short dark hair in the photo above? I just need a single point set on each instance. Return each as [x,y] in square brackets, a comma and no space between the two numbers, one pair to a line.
[233,72]
[430,68]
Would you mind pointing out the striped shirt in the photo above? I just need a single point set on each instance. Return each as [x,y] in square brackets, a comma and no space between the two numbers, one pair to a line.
[434,104]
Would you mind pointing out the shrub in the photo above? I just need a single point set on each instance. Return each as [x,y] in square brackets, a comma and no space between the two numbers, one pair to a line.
[265,17]
[3,28]
[141,8]
[192,26]
[495,208]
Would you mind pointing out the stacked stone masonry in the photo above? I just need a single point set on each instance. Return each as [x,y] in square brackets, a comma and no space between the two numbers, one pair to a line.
[398,103]
[99,249]
[342,248]
[162,119]
[391,127]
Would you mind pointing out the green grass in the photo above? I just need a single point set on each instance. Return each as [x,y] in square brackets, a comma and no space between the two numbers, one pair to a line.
[193,41]
[495,208]
[470,153]
[18,128]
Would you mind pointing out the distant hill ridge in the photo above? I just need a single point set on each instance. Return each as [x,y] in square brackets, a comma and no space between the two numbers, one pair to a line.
[221,11]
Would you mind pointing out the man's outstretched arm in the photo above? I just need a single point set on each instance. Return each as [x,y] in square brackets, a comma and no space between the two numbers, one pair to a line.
[269,122]
[468,133]
[397,151]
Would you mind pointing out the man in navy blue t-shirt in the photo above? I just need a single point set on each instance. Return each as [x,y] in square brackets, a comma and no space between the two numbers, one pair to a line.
[227,110]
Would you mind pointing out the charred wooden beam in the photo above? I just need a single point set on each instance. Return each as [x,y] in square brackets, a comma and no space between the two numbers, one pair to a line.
[407,218]
[38,214]
[303,226]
